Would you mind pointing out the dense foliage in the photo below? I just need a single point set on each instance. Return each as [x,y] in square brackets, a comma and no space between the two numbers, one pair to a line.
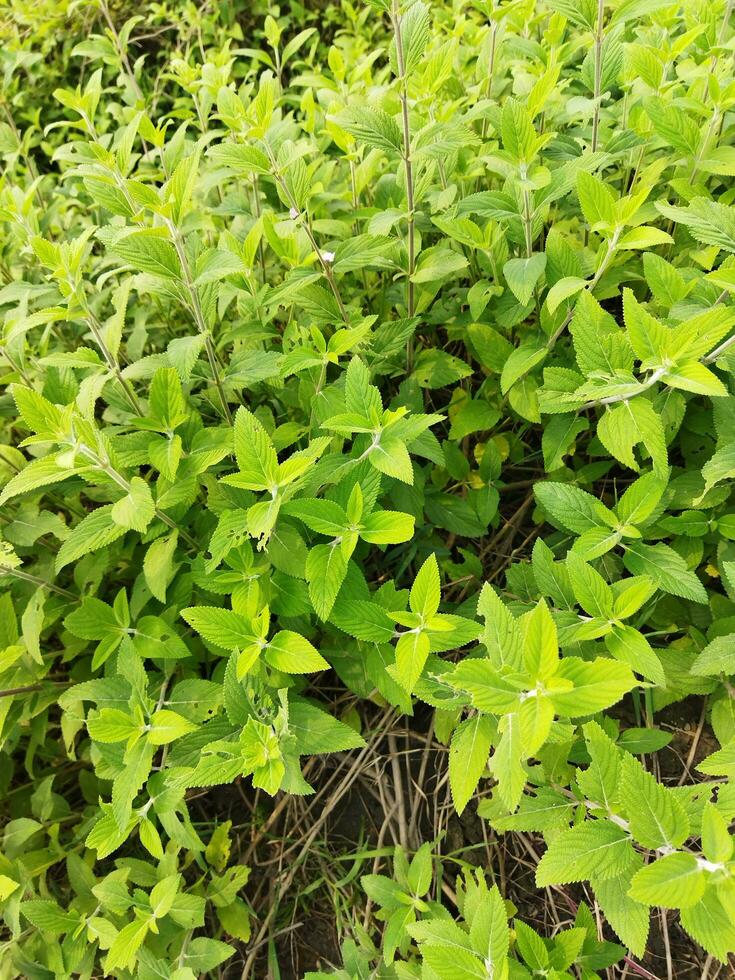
[367,370]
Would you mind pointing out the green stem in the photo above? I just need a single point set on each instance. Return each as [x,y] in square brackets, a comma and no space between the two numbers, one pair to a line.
[196,308]
[26,159]
[121,482]
[292,203]
[611,246]
[121,53]
[40,582]
[599,36]
[96,330]
[408,163]
[16,367]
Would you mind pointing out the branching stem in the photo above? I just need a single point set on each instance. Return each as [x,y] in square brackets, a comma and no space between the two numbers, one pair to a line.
[196,308]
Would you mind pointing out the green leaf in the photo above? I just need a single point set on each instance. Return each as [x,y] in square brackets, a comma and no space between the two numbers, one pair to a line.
[709,222]
[123,952]
[655,816]
[563,289]
[112,725]
[166,726]
[387,527]
[204,955]
[516,127]
[597,684]
[293,654]
[222,627]
[437,369]
[502,635]
[97,530]
[573,509]
[630,919]
[627,644]
[136,509]
[256,457]
[489,689]
[239,157]
[717,843]
[718,657]
[595,848]
[675,881]
[425,594]
[93,620]
[148,252]
[38,473]
[522,275]
[372,127]
[438,263]
[322,516]
[216,264]
[666,568]
[49,917]
[326,568]
[596,201]
[521,360]
[318,732]
[709,923]
[415,32]
[468,756]
[361,397]
[644,237]
[541,649]
[158,567]
[412,650]
[391,457]
[506,762]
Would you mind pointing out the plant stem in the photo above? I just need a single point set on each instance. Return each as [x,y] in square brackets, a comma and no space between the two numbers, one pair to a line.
[256,211]
[719,351]
[720,39]
[640,387]
[611,246]
[292,203]
[598,74]
[490,73]
[410,203]
[712,125]
[122,54]
[661,371]
[26,159]
[121,482]
[37,580]
[96,329]
[16,367]
[196,309]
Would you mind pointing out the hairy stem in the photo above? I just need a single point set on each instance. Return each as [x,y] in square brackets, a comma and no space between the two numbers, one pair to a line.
[196,308]
[293,204]
[96,330]
[599,36]
[408,163]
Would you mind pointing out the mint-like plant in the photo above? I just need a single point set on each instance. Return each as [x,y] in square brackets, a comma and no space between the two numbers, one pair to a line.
[368,424]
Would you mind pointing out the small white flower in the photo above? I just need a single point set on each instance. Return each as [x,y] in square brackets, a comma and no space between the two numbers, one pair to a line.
[293,213]
[327,256]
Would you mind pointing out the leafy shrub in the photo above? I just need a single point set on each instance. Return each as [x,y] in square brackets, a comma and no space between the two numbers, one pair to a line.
[302,334]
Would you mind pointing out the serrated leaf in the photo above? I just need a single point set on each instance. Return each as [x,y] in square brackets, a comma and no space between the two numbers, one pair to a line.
[595,848]
[468,756]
